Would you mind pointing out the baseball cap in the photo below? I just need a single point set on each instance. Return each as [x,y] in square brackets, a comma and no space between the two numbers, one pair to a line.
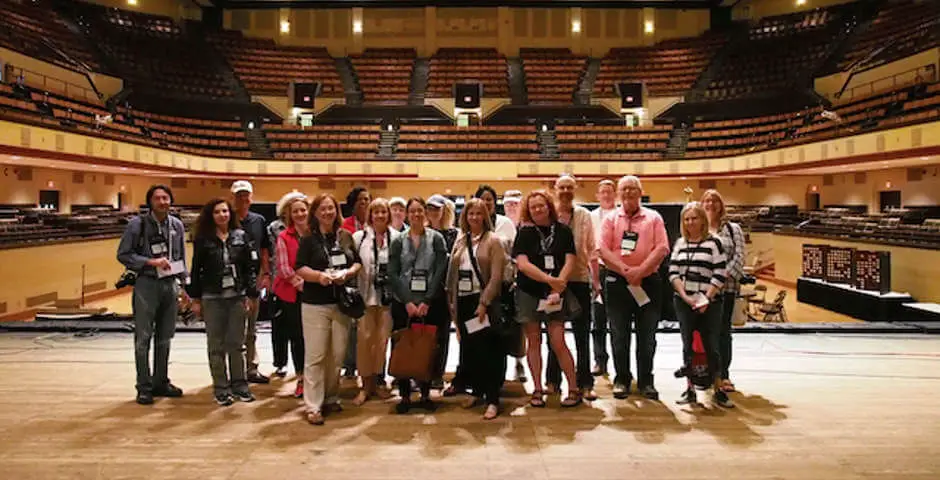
[437,201]
[242,186]
[397,201]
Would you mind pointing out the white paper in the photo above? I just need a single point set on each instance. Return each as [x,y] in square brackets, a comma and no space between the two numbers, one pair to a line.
[700,300]
[475,324]
[639,294]
[176,268]
[546,307]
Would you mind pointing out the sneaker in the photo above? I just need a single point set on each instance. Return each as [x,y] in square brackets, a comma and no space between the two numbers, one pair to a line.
[598,371]
[244,396]
[168,390]
[299,390]
[650,392]
[621,391]
[427,404]
[280,372]
[144,398]
[687,398]
[721,398]
[402,407]
[224,399]
[258,378]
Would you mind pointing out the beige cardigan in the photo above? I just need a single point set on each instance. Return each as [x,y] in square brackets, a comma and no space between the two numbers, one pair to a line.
[492,259]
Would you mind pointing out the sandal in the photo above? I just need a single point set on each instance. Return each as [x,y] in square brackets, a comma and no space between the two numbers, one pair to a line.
[472,402]
[727,386]
[492,411]
[572,400]
[537,400]
[361,398]
[315,418]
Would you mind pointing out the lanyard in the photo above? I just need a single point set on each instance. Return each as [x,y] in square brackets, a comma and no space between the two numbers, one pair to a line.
[375,245]
[546,242]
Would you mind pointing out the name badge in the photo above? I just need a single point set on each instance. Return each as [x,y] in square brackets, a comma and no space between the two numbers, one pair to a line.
[158,248]
[628,242]
[337,258]
[419,281]
[228,280]
[465,281]
[549,262]
[254,256]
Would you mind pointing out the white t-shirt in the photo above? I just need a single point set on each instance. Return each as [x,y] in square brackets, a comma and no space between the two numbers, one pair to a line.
[465,265]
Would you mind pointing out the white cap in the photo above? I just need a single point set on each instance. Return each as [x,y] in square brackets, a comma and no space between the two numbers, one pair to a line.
[288,198]
[397,201]
[242,186]
[512,196]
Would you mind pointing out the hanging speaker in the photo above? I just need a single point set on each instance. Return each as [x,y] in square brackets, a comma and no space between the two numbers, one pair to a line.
[303,94]
[631,94]
[468,94]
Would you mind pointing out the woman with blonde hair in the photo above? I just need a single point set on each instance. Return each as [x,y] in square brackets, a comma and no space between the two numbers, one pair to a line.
[372,244]
[474,281]
[697,274]
[732,239]
[286,325]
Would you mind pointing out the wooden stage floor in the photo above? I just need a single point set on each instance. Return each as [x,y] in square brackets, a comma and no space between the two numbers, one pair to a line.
[814,407]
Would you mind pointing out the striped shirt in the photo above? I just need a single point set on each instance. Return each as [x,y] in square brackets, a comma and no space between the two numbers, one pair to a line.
[698,264]
[732,240]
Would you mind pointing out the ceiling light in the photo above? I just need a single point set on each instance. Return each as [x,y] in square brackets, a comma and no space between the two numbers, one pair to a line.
[285,26]
[576,26]
[357,26]
[648,26]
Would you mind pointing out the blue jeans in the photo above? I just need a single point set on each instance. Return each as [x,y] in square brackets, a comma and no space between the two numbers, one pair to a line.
[622,313]
[226,325]
[155,310]
[724,335]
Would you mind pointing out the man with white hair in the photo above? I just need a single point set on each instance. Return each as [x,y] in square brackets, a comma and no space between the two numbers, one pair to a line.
[633,244]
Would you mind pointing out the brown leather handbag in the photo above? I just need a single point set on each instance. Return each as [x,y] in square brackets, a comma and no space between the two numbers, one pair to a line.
[413,352]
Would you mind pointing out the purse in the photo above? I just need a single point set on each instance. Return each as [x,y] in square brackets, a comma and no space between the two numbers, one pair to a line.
[351,302]
[413,352]
[509,331]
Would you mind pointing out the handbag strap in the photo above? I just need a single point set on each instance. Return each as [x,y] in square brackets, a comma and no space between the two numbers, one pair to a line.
[473,258]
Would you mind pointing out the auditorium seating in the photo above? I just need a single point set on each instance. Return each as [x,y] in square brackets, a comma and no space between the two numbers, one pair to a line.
[196,136]
[453,65]
[475,143]
[27,25]
[670,68]
[552,74]
[612,143]
[890,227]
[323,142]
[384,74]
[737,137]
[154,55]
[902,28]
[781,52]
[266,68]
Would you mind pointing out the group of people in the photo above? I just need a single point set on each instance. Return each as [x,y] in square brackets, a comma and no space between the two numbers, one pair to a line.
[546,263]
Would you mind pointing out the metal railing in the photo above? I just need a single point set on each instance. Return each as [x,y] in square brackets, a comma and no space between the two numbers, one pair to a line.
[924,73]
[51,84]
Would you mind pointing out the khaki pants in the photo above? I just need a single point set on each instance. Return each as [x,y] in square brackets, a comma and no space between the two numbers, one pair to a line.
[326,332]
[372,340]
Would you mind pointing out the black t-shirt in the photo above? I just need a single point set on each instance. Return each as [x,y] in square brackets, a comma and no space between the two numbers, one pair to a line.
[535,243]
[315,251]
[255,226]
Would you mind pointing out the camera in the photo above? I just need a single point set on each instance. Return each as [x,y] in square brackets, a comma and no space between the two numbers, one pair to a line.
[128,278]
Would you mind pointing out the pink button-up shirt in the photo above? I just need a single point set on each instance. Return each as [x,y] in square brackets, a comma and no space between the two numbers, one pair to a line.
[649,227]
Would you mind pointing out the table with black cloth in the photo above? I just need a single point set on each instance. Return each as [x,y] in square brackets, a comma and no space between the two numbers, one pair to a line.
[861,304]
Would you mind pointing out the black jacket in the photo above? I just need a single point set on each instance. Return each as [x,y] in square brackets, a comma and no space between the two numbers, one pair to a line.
[208,264]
